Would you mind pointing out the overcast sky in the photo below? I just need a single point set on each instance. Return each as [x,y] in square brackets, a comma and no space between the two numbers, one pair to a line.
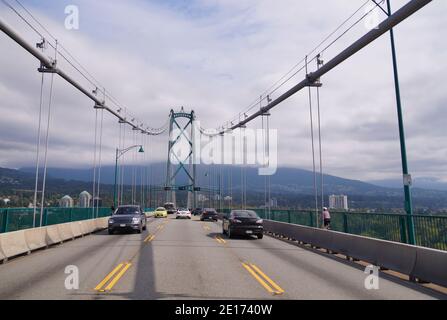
[216,57]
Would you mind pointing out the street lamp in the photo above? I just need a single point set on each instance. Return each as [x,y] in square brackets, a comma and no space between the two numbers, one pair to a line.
[119,154]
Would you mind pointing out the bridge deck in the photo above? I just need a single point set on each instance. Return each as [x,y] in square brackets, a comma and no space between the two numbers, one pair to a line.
[184,260]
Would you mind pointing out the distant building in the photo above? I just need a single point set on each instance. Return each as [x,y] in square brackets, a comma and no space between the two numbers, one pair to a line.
[66,202]
[273,203]
[84,199]
[338,202]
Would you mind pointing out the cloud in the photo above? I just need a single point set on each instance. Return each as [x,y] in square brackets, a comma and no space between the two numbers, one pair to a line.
[216,57]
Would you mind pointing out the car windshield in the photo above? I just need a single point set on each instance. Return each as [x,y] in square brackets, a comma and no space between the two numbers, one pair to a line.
[161,209]
[127,211]
[210,211]
[245,214]
[182,209]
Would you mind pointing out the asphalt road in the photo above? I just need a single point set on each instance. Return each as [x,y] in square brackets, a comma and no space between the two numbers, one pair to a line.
[182,259]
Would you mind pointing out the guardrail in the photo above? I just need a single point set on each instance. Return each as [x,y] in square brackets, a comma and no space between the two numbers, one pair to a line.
[13,244]
[431,231]
[22,218]
[424,264]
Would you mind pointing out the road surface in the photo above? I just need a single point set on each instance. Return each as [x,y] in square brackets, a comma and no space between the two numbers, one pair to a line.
[182,259]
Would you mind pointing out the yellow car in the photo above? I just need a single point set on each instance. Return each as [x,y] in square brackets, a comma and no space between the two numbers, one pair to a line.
[161,213]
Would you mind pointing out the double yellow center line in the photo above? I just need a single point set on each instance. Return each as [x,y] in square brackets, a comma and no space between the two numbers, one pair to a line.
[113,277]
[220,240]
[149,238]
[263,279]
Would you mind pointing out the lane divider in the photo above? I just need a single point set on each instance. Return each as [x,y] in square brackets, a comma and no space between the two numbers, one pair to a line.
[263,279]
[149,238]
[113,277]
[220,240]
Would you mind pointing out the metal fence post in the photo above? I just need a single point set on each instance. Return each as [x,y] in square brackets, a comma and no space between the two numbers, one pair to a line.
[345,223]
[311,219]
[289,216]
[5,221]
[45,217]
[403,229]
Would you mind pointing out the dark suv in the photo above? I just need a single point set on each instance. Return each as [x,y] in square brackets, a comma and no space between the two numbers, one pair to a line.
[128,218]
[209,214]
[243,222]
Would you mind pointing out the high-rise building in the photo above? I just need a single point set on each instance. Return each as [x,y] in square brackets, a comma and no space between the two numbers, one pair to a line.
[66,202]
[84,199]
[339,202]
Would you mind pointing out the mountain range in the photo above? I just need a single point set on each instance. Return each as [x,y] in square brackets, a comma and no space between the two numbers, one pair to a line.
[288,185]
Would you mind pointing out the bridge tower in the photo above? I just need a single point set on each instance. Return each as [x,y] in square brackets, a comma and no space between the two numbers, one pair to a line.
[181,156]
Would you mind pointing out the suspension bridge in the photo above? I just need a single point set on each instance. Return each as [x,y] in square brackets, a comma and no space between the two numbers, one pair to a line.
[176,259]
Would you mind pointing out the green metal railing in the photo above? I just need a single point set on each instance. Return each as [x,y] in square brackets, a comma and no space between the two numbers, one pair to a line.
[430,231]
[22,218]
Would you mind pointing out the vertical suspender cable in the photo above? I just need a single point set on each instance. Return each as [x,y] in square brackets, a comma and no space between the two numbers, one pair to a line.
[269,193]
[264,162]
[313,150]
[123,168]
[47,139]
[118,165]
[320,62]
[100,161]
[143,174]
[39,135]
[94,163]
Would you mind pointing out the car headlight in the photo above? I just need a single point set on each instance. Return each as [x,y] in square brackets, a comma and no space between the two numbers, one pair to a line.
[111,221]
[260,221]
[136,220]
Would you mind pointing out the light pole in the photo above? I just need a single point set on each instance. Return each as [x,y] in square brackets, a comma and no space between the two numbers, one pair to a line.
[403,148]
[119,154]
[405,170]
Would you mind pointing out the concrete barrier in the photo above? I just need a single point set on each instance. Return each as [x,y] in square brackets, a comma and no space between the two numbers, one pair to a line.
[76,229]
[13,244]
[65,231]
[102,223]
[36,238]
[431,264]
[88,227]
[2,255]
[52,235]
[417,262]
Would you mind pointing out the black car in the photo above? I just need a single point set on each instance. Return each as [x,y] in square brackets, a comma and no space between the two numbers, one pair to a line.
[197,211]
[209,214]
[170,208]
[243,222]
[128,218]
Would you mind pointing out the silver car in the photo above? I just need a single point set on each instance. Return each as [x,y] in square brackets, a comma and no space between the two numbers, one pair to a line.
[128,218]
